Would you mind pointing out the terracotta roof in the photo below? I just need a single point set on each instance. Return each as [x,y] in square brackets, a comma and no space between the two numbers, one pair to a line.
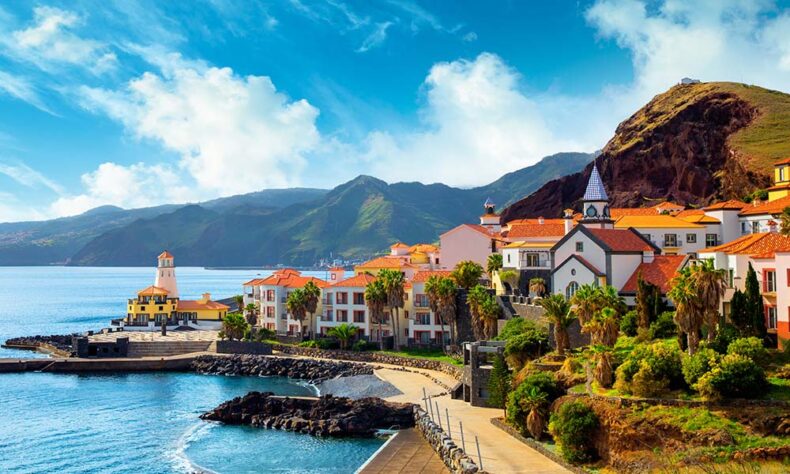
[761,245]
[425,248]
[537,230]
[785,161]
[770,207]
[152,291]
[288,278]
[387,261]
[423,275]
[732,204]
[616,212]
[165,254]
[530,245]
[668,205]
[477,228]
[658,272]
[191,305]
[656,221]
[357,281]
[399,245]
[622,240]
[699,218]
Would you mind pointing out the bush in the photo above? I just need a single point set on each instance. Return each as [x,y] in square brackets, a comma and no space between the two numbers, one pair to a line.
[736,376]
[327,343]
[750,347]
[525,346]
[726,334]
[514,327]
[650,369]
[628,325]
[541,382]
[311,344]
[573,427]
[695,366]
[362,346]
[234,326]
[663,327]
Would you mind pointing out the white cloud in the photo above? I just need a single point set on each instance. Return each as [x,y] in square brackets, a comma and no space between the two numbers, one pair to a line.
[50,40]
[27,176]
[14,210]
[378,36]
[20,88]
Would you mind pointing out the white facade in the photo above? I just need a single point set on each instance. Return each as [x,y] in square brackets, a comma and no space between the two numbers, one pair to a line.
[424,326]
[166,274]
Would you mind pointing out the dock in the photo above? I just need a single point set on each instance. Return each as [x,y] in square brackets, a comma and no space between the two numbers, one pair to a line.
[126,364]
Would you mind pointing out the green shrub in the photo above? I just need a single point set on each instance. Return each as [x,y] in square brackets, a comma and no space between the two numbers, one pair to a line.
[750,347]
[695,366]
[234,326]
[542,382]
[573,427]
[736,376]
[726,334]
[362,346]
[650,369]
[514,327]
[663,327]
[312,344]
[628,325]
[525,346]
[327,343]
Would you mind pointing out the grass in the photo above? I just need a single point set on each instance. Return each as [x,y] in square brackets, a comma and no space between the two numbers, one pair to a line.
[779,390]
[429,354]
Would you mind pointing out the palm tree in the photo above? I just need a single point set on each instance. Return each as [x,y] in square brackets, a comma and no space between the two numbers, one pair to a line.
[510,277]
[475,299]
[343,333]
[534,402]
[490,312]
[312,295]
[393,284]
[710,285]
[784,217]
[604,365]
[604,327]
[434,299]
[376,299]
[446,291]
[239,300]
[493,263]
[296,303]
[610,297]
[688,316]
[558,312]
[251,314]
[537,285]
[467,274]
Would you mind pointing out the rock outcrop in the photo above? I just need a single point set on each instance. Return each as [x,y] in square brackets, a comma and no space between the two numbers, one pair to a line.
[680,147]
[61,342]
[314,371]
[325,416]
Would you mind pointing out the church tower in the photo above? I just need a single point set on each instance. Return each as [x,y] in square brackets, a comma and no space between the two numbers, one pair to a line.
[490,218]
[166,274]
[595,203]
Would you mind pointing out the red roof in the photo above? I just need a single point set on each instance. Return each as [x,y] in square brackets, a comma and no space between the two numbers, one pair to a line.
[423,275]
[357,281]
[165,254]
[761,245]
[537,230]
[152,291]
[621,240]
[658,272]
[770,207]
[191,305]
[287,277]
[387,261]
[786,161]
[732,204]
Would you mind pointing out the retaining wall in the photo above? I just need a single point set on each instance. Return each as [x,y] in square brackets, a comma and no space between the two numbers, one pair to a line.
[243,347]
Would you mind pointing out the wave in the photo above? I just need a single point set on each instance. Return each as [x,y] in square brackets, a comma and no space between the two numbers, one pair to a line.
[181,461]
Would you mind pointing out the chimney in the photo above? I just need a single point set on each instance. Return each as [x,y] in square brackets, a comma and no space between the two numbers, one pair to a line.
[206,298]
[568,220]
[336,274]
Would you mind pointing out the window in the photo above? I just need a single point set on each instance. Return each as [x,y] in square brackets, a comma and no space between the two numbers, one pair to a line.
[269,295]
[342,316]
[580,246]
[571,289]
[342,298]
[359,298]
[744,227]
[756,227]
[691,238]
[359,317]
[422,337]
[270,311]
[508,258]
[711,240]
[781,174]
[770,316]
[532,259]
[670,240]
[423,319]
[329,316]
[420,301]
[329,298]
[769,281]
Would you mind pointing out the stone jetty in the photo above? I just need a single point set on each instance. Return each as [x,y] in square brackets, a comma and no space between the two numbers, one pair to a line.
[314,371]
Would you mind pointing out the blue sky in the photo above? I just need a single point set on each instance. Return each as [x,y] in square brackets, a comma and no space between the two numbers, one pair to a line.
[137,103]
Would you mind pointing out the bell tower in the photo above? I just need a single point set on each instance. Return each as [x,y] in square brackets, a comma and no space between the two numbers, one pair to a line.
[595,203]
[166,274]
[490,218]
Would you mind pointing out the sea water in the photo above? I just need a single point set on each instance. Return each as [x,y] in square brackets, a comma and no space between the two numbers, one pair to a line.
[141,423]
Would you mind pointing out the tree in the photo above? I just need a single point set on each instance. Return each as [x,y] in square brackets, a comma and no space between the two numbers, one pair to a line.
[312,294]
[393,284]
[493,263]
[604,327]
[585,302]
[475,300]
[784,218]
[446,291]
[296,304]
[534,403]
[251,314]
[648,303]
[343,333]
[490,313]
[498,383]
[739,316]
[467,274]
[710,285]
[558,312]
[754,304]
[234,326]
[376,300]
[604,365]
[239,300]
[510,277]
[537,285]
[688,316]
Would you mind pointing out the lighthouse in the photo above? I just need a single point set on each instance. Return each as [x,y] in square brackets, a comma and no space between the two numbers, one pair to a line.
[166,274]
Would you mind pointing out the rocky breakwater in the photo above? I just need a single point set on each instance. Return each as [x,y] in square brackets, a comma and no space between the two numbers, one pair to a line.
[59,343]
[314,371]
[325,416]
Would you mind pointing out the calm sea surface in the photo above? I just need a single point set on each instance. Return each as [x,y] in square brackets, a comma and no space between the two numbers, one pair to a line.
[142,423]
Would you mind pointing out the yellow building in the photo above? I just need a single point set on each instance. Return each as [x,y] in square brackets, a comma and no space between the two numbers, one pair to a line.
[781,187]
[159,303]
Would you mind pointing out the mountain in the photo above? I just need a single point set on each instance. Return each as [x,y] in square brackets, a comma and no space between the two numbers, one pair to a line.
[693,144]
[356,219]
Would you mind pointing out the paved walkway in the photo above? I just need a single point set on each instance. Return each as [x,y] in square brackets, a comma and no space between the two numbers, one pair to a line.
[140,336]
[406,453]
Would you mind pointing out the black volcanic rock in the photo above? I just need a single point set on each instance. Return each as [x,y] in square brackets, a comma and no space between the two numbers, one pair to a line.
[312,370]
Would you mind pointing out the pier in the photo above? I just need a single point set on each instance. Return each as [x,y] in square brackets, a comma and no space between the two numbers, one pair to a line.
[70,365]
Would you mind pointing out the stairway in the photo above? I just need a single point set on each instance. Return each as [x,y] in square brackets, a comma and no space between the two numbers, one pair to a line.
[167,348]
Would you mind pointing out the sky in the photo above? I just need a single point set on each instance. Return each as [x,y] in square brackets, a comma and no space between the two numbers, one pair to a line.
[138,103]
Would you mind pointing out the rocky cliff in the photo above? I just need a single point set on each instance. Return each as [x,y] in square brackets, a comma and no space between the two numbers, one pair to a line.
[693,144]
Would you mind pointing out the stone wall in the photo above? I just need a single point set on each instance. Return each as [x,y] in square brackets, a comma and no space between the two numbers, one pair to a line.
[452,455]
[452,370]
[315,371]
[243,347]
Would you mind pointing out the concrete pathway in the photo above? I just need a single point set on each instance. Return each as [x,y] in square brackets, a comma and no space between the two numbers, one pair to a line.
[405,453]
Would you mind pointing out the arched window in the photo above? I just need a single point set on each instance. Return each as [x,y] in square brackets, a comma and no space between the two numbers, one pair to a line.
[571,289]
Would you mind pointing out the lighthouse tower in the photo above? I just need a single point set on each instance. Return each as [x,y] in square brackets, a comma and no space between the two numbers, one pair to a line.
[166,274]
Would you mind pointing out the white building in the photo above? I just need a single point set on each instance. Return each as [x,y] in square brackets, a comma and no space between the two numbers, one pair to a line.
[270,295]
[344,302]
[425,327]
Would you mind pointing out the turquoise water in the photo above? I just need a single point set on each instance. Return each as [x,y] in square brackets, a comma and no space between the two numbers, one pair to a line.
[142,423]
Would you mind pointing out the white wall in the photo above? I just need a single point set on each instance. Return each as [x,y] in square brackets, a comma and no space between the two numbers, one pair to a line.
[623,266]
[657,237]
[464,243]
[562,277]
[592,252]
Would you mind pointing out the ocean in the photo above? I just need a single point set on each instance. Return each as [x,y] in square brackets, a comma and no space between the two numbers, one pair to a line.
[142,423]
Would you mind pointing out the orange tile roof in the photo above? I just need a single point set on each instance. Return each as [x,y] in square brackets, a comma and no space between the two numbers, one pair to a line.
[536,230]
[425,248]
[423,275]
[655,221]
[668,205]
[770,207]
[699,218]
[288,278]
[357,281]
[192,305]
[786,161]
[387,261]
[725,205]
[152,291]
[616,212]
[763,245]
[621,240]
[165,254]
[399,245]
[658,272]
